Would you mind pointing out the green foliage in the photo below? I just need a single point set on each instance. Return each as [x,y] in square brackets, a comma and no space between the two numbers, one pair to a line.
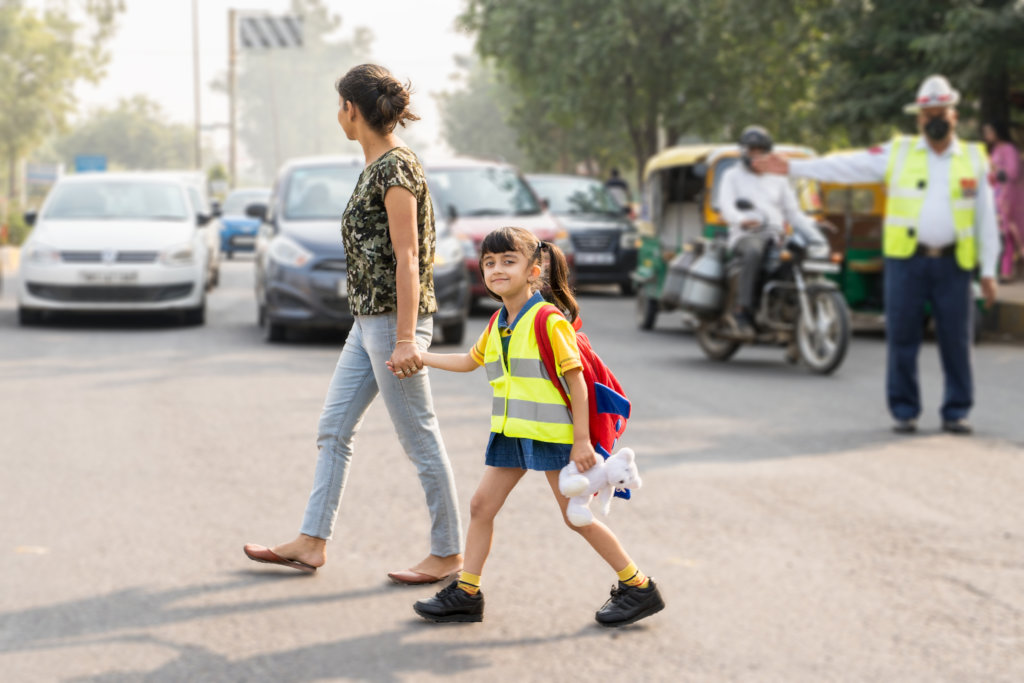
[133,135]
[17,228]
[42,56]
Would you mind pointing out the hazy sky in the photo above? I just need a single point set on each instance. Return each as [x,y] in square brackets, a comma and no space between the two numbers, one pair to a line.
[151,53]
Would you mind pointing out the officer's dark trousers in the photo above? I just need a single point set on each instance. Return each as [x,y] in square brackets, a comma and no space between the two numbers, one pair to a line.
[909,285]
[749,253]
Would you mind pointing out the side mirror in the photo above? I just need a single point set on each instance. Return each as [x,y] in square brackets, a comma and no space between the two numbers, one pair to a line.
[256,211]
[203,218]
[744,204]
[545,204]
[30,218]
[215,210]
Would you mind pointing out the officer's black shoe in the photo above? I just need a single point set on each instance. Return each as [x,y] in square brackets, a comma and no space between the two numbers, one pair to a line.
[960,426]
[905,426]
[452,604]
[628,604]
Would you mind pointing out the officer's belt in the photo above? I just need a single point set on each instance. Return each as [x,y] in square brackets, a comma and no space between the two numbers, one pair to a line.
[935,252]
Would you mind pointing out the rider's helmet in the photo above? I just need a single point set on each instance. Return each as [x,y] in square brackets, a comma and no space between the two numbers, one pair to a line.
[754,137]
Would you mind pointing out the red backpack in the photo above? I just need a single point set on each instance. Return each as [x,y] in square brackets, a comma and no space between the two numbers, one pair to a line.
[609,407]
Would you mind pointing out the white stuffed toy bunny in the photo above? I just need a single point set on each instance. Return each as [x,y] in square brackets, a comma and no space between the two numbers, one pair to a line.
[618,471]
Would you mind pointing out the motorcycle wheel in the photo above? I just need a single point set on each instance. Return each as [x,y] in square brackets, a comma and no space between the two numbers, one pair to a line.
[824,347]
[714,346]
[646,310]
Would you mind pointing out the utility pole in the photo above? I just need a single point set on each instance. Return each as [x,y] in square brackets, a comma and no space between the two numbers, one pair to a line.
[232,169]
[195,82]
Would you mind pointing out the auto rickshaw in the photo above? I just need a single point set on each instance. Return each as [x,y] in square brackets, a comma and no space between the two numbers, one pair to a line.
[680,207]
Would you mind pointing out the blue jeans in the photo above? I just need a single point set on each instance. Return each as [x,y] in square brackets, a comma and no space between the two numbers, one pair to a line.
[361,373]
[909,285]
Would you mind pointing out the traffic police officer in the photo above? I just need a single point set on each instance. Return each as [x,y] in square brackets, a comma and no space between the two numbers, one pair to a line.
[939,225]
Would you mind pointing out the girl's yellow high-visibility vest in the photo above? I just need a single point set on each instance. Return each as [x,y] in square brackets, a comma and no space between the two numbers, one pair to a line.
[526,403]
[906,179]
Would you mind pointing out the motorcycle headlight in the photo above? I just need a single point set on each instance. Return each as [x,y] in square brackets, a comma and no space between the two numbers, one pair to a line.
[179,255]
[43,255]
[563,242]
[449,251]
[288,252]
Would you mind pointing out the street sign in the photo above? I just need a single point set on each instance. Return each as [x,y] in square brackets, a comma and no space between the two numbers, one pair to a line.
[261,32]
[41,174]
[86,163]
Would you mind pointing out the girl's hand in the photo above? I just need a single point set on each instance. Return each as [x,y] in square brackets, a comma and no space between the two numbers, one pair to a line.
[583,455]
[405,360]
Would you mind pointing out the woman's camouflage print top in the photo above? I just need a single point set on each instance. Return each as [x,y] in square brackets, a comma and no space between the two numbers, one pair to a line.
[364,232]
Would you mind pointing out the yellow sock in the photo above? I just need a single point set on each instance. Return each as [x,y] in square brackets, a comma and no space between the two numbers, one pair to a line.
[469,582]
[631,576]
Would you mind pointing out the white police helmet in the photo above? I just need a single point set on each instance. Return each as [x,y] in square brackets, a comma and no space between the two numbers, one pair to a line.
[935,91]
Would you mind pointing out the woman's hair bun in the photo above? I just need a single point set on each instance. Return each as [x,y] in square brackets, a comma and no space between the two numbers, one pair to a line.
[382,100]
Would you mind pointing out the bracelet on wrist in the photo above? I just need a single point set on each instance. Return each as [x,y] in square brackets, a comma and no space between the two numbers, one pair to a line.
[405,341]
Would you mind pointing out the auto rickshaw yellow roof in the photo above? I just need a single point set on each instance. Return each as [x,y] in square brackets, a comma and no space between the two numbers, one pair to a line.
[795,151]
[683,155]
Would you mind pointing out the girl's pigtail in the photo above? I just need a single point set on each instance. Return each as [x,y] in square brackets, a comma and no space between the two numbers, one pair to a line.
[558,281]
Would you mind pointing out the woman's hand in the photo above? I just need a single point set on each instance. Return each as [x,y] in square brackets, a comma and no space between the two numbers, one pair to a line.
[405,360]
[583,455]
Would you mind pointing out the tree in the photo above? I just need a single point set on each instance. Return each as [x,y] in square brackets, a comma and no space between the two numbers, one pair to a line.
[286,102]
[42,57]
[474,119]
[133,135]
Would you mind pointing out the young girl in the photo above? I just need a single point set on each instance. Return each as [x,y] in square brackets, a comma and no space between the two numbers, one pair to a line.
[531,427]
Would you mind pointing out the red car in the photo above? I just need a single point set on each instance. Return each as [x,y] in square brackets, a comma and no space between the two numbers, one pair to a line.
[477,197]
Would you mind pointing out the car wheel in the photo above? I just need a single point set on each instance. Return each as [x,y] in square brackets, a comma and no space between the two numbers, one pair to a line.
[628,288]
[29,316]
[274,332]
[454,333]
[194,316]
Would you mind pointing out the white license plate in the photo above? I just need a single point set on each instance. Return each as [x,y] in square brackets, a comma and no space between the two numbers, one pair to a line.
[244,240]
[584,258]
[105,278]
[343,287]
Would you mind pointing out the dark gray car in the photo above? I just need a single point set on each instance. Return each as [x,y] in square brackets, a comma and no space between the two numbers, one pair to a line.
[603,237]
[301,274]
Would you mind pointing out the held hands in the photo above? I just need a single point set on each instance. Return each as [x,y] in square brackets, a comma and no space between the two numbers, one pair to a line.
[583,455]
[405,360]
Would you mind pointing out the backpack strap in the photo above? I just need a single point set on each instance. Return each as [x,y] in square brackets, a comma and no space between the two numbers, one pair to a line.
[547,355]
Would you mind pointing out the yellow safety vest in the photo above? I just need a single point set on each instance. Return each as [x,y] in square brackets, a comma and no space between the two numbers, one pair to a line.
[906,179]
[526,403]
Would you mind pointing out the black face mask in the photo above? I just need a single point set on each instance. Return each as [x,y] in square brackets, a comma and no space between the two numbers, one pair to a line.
[937,128]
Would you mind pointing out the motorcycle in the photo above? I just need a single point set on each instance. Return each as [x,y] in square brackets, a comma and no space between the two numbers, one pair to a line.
[799,306]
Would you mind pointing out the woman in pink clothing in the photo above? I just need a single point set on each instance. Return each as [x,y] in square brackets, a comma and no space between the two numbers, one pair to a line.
[1008,185]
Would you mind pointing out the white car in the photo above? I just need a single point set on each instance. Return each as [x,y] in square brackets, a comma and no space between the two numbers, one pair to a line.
[107,242]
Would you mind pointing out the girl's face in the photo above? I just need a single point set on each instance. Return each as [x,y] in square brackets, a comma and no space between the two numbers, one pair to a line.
[509,274]
[345,111]
[988,133]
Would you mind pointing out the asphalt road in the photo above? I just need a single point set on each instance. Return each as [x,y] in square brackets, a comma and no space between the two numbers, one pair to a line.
[793,536]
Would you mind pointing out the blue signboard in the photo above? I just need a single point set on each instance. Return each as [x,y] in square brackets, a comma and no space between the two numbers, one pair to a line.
[84,163]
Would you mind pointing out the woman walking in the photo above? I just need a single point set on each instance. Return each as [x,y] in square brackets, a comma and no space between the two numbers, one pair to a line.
[388,233]
[1008,188]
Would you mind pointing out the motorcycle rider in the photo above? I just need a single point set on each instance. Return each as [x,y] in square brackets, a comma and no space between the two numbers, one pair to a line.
[770,203]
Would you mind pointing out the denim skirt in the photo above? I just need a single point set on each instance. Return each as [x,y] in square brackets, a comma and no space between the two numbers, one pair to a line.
[526,454]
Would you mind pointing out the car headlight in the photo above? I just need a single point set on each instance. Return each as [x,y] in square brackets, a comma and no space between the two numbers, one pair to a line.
[563,241]
[41,254]
[469,246]
[629,240]
[179,255]
[448,251]
[288,252]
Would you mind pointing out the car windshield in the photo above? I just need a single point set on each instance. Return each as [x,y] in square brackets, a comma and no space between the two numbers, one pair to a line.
[483,191]
[117,200]
[575,195]
[319,192]
[236,202]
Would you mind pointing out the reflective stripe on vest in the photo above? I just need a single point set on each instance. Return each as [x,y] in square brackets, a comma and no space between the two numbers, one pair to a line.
[908,166]
[526,403]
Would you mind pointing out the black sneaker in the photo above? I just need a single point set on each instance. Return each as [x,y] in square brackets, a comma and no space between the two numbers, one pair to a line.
[628,604]
[452,604]
[960,426]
